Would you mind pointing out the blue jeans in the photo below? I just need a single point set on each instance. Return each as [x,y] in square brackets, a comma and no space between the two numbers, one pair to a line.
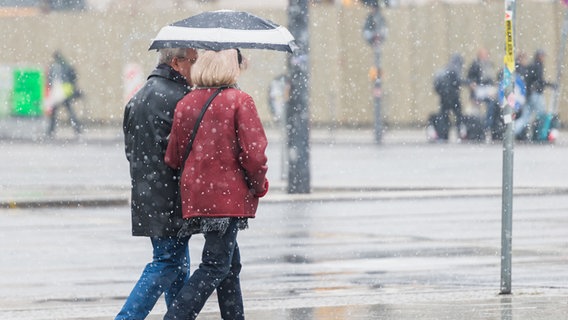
[219,269]
[168,272]
[491,105]
[534,106]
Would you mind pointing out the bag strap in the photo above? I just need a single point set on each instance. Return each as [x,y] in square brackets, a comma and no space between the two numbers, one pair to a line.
[197,123]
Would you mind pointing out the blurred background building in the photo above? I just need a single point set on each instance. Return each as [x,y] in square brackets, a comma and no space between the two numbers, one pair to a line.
[107,40]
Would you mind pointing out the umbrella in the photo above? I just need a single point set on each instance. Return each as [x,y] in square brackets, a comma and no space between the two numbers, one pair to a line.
[224,29]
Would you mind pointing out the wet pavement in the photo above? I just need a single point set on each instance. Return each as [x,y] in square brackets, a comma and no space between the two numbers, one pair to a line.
[403,230]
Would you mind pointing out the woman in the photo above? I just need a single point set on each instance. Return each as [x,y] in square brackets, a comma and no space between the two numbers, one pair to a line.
[222,180]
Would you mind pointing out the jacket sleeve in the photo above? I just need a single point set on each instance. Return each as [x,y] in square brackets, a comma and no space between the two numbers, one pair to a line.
[126,129]
[252,142]
[172,157]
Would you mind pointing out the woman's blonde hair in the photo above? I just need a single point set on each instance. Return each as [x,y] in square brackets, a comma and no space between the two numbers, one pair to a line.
[216,68]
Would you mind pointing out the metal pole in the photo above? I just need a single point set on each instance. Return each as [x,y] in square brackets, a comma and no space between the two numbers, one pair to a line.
[297,115]
[508,153]
[507,205]
[379,32]
[377,99]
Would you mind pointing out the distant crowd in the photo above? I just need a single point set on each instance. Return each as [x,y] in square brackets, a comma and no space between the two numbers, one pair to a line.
[486,93]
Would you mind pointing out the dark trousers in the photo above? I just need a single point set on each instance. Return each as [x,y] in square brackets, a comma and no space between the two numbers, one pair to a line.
[72,117]
[219,270]
[447,106]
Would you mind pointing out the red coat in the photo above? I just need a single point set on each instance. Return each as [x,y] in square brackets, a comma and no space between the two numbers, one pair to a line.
[225,173]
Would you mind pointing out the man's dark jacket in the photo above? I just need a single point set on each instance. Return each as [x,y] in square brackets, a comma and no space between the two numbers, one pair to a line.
[535,78]
[147,124]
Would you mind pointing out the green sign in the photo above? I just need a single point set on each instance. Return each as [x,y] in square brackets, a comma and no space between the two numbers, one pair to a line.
[27,96]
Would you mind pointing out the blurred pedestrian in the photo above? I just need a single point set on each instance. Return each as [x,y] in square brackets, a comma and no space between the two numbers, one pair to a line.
[155,210]
[223,178]
[535,83]
[62,92]
[521,65]
[483,89]
[447,84]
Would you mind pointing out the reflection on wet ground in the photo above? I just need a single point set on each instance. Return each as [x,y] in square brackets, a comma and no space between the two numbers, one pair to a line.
[419,259]
[533,308]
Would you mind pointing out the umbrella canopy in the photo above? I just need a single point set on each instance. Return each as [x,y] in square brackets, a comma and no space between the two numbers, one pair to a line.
[224,29]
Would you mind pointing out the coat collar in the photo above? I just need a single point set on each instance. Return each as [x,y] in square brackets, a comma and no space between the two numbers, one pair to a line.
[165,71]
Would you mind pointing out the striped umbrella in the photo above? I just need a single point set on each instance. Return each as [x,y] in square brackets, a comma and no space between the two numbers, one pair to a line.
[224,29]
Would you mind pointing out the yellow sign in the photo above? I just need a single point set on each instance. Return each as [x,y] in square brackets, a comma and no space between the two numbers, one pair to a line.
[509,46]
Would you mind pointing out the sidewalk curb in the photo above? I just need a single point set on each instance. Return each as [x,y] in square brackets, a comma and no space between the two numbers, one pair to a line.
[63,203]
[318,194]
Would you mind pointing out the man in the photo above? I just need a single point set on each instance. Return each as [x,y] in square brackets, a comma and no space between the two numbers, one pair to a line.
[535,82]
[447,84]
[483,89]
[155,212]
[62,81]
